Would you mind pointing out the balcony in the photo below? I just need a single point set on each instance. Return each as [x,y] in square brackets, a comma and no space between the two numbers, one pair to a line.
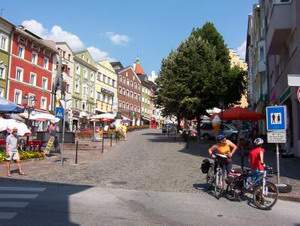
[279,27]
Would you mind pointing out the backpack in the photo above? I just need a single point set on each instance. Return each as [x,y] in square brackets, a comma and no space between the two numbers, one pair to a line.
[205,165]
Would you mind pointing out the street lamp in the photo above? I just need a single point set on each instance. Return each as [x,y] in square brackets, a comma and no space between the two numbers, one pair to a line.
[28,103]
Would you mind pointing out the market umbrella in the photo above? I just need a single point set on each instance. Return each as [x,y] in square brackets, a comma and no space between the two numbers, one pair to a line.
[243,114]
[41,117]
[9,107]
[104,116]
[10,124]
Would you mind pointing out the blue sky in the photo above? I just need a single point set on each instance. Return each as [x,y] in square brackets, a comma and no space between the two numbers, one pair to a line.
[124,30]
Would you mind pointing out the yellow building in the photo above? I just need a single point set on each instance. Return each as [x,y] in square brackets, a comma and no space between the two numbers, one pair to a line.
[106,88]
[235,60]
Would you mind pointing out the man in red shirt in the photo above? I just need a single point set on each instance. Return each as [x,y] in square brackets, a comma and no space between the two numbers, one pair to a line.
[256,156]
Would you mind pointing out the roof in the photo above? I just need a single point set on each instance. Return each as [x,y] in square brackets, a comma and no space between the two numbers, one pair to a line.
[130,68]
[46,43]
[138,69]
[117,66]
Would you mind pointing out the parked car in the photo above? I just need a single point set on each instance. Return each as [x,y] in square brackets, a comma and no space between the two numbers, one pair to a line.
[207,132]
[168,128]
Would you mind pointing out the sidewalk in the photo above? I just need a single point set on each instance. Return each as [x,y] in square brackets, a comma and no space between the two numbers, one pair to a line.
[51,170]
[289,167]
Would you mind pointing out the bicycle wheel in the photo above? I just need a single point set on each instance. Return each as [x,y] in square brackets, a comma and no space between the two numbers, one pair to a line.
[219,184]
[266,199]
[210,176]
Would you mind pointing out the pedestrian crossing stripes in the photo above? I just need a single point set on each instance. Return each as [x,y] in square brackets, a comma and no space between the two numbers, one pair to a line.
[21,197]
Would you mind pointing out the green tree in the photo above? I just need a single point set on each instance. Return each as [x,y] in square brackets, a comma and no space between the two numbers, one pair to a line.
[198,76]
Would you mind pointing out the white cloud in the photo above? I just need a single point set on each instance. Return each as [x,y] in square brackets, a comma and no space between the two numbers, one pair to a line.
[35,27]
[117,39]
[58,34]
[153,76]
[241,50]
[98,54]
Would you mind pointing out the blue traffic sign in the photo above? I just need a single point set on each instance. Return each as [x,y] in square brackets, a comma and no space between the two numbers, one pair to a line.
[276,118]
[59,112]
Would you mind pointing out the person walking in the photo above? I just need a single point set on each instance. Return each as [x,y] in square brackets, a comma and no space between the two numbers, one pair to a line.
[52,129]
[12,151]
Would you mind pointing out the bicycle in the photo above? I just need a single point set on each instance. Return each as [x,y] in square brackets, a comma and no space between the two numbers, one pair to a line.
[264,193]
[215,173]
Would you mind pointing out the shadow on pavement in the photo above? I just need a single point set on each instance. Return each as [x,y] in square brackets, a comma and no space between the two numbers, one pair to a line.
[44,203]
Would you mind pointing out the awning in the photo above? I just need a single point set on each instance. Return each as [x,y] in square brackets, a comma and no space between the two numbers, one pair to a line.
[9,107]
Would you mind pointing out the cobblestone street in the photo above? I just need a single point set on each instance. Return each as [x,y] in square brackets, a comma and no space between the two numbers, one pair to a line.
[146,161]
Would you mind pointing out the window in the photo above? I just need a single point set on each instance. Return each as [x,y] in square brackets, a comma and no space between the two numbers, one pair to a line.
[44,103]
[77,86]
[104,78]
[127,93]
[98,95]
[45,83]
[21,52]
[46,63]
[18,96]
[98,77]
[32,79]
[4,42]
[34,58]
[31,100]
[113,83]
[77,69]
[120,90]
[19,74]
[2,72]
[85,74]
[92,76]
[92,93]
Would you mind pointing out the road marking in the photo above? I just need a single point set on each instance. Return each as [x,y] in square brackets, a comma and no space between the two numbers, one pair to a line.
[13,204]
[28,189]
[7,215]
[18,196]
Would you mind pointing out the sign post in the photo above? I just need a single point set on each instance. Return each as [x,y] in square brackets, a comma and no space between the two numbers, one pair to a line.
[276,127]
[60,113]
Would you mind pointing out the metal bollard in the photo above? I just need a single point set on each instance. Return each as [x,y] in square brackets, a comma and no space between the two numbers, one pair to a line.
[76,152]
[102,143]
[111,139]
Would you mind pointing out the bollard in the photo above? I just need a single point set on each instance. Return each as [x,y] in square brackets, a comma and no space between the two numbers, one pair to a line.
[76,152]
[111,139]
[102,143]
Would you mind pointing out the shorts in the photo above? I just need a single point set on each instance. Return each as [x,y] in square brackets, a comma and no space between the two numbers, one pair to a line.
[13,156]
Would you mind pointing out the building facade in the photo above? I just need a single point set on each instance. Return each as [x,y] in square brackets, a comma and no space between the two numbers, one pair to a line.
[106,88]
[129,95]
[282,18]
[30,79]
[64,64]
[273,52]
[6,29]
[256,59]
[84,88]
[236,61]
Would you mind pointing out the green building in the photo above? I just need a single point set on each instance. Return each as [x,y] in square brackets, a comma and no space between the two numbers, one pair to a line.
[85,71]
[5,40]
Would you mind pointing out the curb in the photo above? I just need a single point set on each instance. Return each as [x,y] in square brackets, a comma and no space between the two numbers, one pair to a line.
[289,198]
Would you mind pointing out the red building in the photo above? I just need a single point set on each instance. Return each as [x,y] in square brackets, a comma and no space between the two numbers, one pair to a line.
[129,95]
[30,80]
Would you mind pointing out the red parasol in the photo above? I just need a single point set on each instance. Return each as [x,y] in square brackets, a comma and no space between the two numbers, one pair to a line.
[243,114]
